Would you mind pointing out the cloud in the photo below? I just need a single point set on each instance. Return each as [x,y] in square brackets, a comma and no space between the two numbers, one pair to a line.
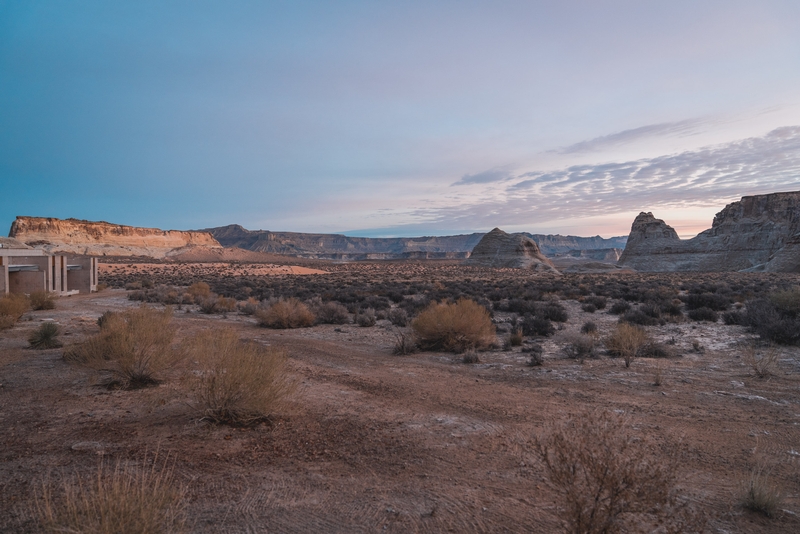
[498,174]
[681,128]
[710,176]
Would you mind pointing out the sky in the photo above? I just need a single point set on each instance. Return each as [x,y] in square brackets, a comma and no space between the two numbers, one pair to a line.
[397,118]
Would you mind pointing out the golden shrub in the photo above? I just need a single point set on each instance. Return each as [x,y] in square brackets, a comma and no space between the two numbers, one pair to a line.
[455,327]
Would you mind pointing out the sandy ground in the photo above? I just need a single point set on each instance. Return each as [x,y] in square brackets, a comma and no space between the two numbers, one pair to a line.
[373,442]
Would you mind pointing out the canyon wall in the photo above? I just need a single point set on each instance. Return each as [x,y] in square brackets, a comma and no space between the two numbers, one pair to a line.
[757,233]
[337,246]
[102,238]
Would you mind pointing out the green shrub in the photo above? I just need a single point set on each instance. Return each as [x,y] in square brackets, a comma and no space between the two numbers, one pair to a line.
[456,327]
[45,337]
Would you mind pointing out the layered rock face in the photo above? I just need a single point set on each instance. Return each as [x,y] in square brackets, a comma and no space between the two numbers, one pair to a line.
[104,239]
[757,233]
[499,249]
[340,247]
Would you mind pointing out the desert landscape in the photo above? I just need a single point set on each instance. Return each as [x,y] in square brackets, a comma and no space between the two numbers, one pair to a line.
[377,435]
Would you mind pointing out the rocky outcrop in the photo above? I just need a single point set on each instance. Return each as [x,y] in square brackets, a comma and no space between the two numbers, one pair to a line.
[554,245]
[757,233]
[104,239]
[499,249]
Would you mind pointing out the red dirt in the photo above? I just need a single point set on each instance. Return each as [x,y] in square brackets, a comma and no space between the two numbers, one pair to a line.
[375,442]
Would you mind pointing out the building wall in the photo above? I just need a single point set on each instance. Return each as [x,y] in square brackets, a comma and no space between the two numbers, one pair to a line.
[53,274]
[27,281]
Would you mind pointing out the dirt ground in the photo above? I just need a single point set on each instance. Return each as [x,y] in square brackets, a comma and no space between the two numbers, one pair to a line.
[372,442]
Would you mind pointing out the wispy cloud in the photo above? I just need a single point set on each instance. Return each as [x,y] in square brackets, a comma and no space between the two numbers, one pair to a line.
[705,177]
[680,128]
[497,174]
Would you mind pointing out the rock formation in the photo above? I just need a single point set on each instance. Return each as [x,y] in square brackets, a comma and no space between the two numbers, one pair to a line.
[757,233]
[499,249]
[104,239]
[340,247]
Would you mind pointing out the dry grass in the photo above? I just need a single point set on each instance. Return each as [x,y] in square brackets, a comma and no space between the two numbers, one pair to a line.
[131,350]
[626,341]
[289,313]
[12,307]
[763,362]
[236,383]
[608,479]
[761,494]
[455,327]
[119,501]
[198,291]
[42,300]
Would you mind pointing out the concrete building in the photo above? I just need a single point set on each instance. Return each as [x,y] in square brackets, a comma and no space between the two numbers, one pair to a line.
[24,269]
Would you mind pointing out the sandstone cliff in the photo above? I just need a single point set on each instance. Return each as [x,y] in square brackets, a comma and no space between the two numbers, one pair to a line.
[340,247]
[104,239]
[499,249]
[757,233]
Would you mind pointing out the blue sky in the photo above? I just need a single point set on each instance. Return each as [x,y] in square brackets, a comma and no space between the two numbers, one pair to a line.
[397,118]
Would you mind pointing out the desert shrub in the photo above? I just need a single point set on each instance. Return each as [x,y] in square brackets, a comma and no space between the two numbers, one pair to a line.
[703,314]
[714,301]
[609,479]
[107,318]
[470,356]
[131,350]
[734,318]
[579,347]
[619,307]
[331,312]
[535,355]
[761,494]
[289,313]
[45,337]
[637,316]
[589,307]
[236,383]
[42,300]
[763,361]
[787,302]
[119,500]
[515,338]
[537,326]
[598,302]
[653,349]
[553,311]
[398,317]
[404,344]
[366,318]
[198,291]
[589,327]
[248,307]
[626,341]
[456,326]
[215,304]
[520,306]
[764,318]
[12,307]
